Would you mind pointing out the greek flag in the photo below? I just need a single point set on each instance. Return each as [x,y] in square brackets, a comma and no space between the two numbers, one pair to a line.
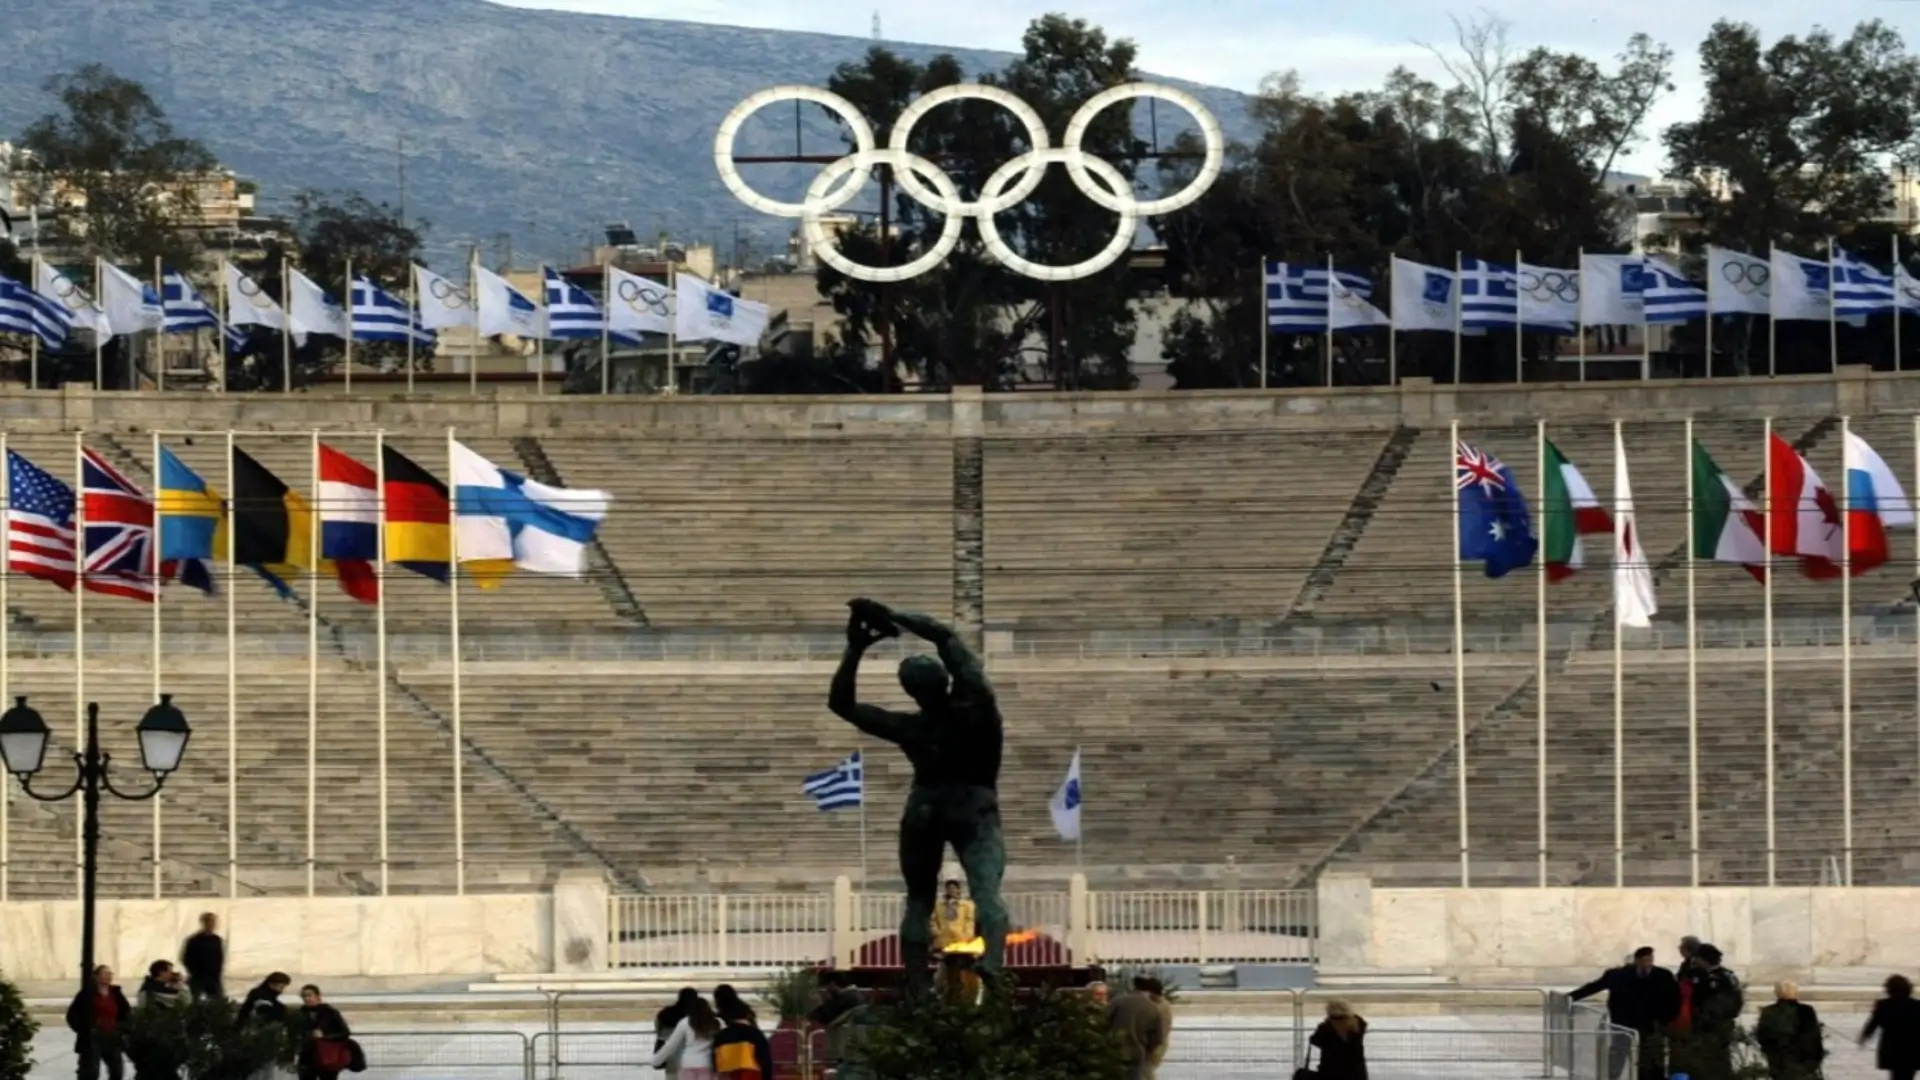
[572,314]
[23,311]
[378,315]
[1297,296]
[186,309]
[1489,295]
[1859,289]
[838,787]
[1670,298]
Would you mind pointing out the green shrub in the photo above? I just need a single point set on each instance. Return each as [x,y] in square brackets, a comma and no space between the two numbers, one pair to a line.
[1046,1036]
[17,1030]
[790,993]
[1120,981]
[200,1041]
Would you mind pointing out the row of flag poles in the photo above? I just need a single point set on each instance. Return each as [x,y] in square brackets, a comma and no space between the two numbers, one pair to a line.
[687,308]
[1801,523]
[1475,296]
[103,534]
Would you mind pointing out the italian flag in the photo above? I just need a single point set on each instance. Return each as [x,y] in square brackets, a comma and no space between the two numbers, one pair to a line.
[1726,526]
[1571,512]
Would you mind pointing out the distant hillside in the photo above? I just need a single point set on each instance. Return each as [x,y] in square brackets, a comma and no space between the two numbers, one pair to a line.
[541,125]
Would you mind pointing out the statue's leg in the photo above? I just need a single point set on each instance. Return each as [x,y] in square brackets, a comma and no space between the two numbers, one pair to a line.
[983,855]
[922,847]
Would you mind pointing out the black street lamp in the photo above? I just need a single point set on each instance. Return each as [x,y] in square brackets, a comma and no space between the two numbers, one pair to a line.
[163,735]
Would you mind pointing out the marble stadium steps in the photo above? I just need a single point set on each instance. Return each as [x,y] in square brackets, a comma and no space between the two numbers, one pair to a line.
[1503,770]
[1181,767]
[504,840]
[771,534]
[1402,564]
[1113,531]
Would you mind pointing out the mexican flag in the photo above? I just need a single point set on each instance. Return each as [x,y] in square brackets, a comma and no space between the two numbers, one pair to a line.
[1571,512]
[1726,526]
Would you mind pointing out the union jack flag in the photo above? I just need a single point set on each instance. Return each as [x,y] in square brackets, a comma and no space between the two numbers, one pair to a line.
[119,525]
[1472,466]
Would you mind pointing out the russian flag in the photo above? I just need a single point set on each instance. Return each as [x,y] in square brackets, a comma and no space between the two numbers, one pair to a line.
[1875,503]
[350,523]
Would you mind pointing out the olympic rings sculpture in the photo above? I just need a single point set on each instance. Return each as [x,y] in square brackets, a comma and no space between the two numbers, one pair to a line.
[839,183]
[1548,286]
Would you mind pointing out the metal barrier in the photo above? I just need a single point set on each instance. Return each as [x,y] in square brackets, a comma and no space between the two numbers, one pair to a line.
[715,930]
[1273,926]
[447,1055]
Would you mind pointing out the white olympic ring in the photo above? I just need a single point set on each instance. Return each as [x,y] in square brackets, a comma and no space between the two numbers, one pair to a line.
[1548,286]
[453,296]
[839,183]
[641,298]
[1747,279]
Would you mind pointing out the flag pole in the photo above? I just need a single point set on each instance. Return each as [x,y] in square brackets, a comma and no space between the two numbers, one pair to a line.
[1833,326]
[473,364]
[286,325]
[1459,639]
[1646,341]
[1713,308]
[413,277]
[606,328]
[233,682]
[1766,619]
[1329,320]
[1619,717]
[1773,346]
[540,338]
[79,632]
[861,750]
[673,331]
[1456,338]
[6,670]
[380,620]
[159,365]
[1540,653]
[99,345]
[1519,323]
[1893,269]
[33,339]
[1846,635]
[1080,826]
[159,591]
[346,363]
[453,622]
[313,646]
[1266,330]
[220,335]
[1693,669]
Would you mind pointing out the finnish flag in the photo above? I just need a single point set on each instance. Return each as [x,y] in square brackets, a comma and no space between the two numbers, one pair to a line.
[504,520]
[1065,803]
[837,788]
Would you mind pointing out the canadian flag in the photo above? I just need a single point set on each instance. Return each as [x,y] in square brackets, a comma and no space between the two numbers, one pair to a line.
[1804,518]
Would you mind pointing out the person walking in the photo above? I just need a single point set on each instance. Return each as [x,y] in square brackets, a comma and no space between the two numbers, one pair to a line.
[205,957]
[741,1050]
[669,1018]
[262,1003]
[1702,1036]
[326,1048]
[1134,1022]
[1788,1032]
[1341,1040]
[99,1045]
[1158,991]
[690,1045]
[1641,997]
[161,987]
[1896,1019]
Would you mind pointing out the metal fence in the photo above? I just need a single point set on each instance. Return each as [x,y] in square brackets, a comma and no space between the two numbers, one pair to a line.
[447,1055]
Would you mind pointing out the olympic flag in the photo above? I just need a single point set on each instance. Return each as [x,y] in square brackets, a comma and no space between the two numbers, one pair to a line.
[1738,283]
[442,302]
[637,304]
[705,313]
[842,181]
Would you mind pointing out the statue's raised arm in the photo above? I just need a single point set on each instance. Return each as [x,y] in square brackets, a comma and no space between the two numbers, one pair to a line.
[865,628]
[969,674]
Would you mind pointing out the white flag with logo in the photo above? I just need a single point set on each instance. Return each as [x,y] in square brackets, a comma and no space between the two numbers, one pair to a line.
[638,304]
[130,305]
[1065,804]
[248,304]
[1906,290]
[1802,288]
[82,313]
[1738,283]
[1348,310]
[1549,298]
[504,309]
[1424,297]
[1613,290]
[1633,600]
[314,312]
[705,313]
[442,303]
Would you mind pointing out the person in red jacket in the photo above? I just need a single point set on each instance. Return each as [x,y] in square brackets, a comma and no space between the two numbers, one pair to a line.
[95,1018]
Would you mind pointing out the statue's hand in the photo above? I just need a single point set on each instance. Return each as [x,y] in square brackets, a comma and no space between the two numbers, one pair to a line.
[868,623]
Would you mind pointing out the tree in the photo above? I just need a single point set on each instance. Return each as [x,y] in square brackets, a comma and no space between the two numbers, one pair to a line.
[17,1029]
[122,181]
[1049,1035]
[336,229]
[199,1040]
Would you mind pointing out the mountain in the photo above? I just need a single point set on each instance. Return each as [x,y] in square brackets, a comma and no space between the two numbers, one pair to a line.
[536,126]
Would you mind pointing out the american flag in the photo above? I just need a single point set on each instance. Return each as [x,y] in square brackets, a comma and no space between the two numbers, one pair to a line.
[119,523]
[39,523]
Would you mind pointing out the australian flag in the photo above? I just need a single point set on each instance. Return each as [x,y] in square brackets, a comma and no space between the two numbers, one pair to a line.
[1495,529]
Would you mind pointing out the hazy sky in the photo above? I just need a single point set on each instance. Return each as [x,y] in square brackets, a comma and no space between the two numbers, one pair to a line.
[1338,46]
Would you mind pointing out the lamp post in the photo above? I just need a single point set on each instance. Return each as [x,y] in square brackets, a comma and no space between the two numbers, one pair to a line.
[163,735]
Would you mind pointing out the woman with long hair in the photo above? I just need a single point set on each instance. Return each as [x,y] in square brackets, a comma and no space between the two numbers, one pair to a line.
[690,1046]
[1341,1039]
[1896,1019]
[669,1018]
[741,1050]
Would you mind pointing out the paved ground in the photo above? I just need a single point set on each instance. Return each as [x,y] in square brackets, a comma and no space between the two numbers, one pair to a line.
[1484,1045]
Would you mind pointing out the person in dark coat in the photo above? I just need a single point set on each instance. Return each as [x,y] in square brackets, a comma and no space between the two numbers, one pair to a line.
[1641,997]
[1896,1019]
[320,1023]
[262,1003]
[1341,1040]
[1788,1032]
[107,1006]
[1702,1036]
[739,1028]
[205,957]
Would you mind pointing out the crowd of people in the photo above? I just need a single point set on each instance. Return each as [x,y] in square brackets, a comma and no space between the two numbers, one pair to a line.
[1688,1020]
[100,1015]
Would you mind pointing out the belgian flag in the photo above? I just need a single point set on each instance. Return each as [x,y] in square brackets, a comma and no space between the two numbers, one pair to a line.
[418,511]
[272,526]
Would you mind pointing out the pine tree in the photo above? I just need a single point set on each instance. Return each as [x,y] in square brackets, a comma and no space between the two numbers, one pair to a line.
[17,1029]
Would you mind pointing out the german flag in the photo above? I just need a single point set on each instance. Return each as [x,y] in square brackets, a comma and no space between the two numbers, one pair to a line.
[418,536]
[272,525]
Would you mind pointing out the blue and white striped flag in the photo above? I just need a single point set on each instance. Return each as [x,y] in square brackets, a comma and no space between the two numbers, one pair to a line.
[1489,295]
[23,311]
[838,787]
[572,314]
[1859,289]
[186,309]
[378,315]
[1670,298]
[1297,296]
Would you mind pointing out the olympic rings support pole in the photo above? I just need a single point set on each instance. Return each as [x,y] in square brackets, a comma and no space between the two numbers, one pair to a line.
[840,182]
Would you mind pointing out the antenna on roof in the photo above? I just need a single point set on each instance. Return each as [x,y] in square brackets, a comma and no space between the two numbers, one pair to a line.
[876,24]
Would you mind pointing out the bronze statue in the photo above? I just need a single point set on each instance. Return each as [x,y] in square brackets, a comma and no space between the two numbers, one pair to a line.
[954,743]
